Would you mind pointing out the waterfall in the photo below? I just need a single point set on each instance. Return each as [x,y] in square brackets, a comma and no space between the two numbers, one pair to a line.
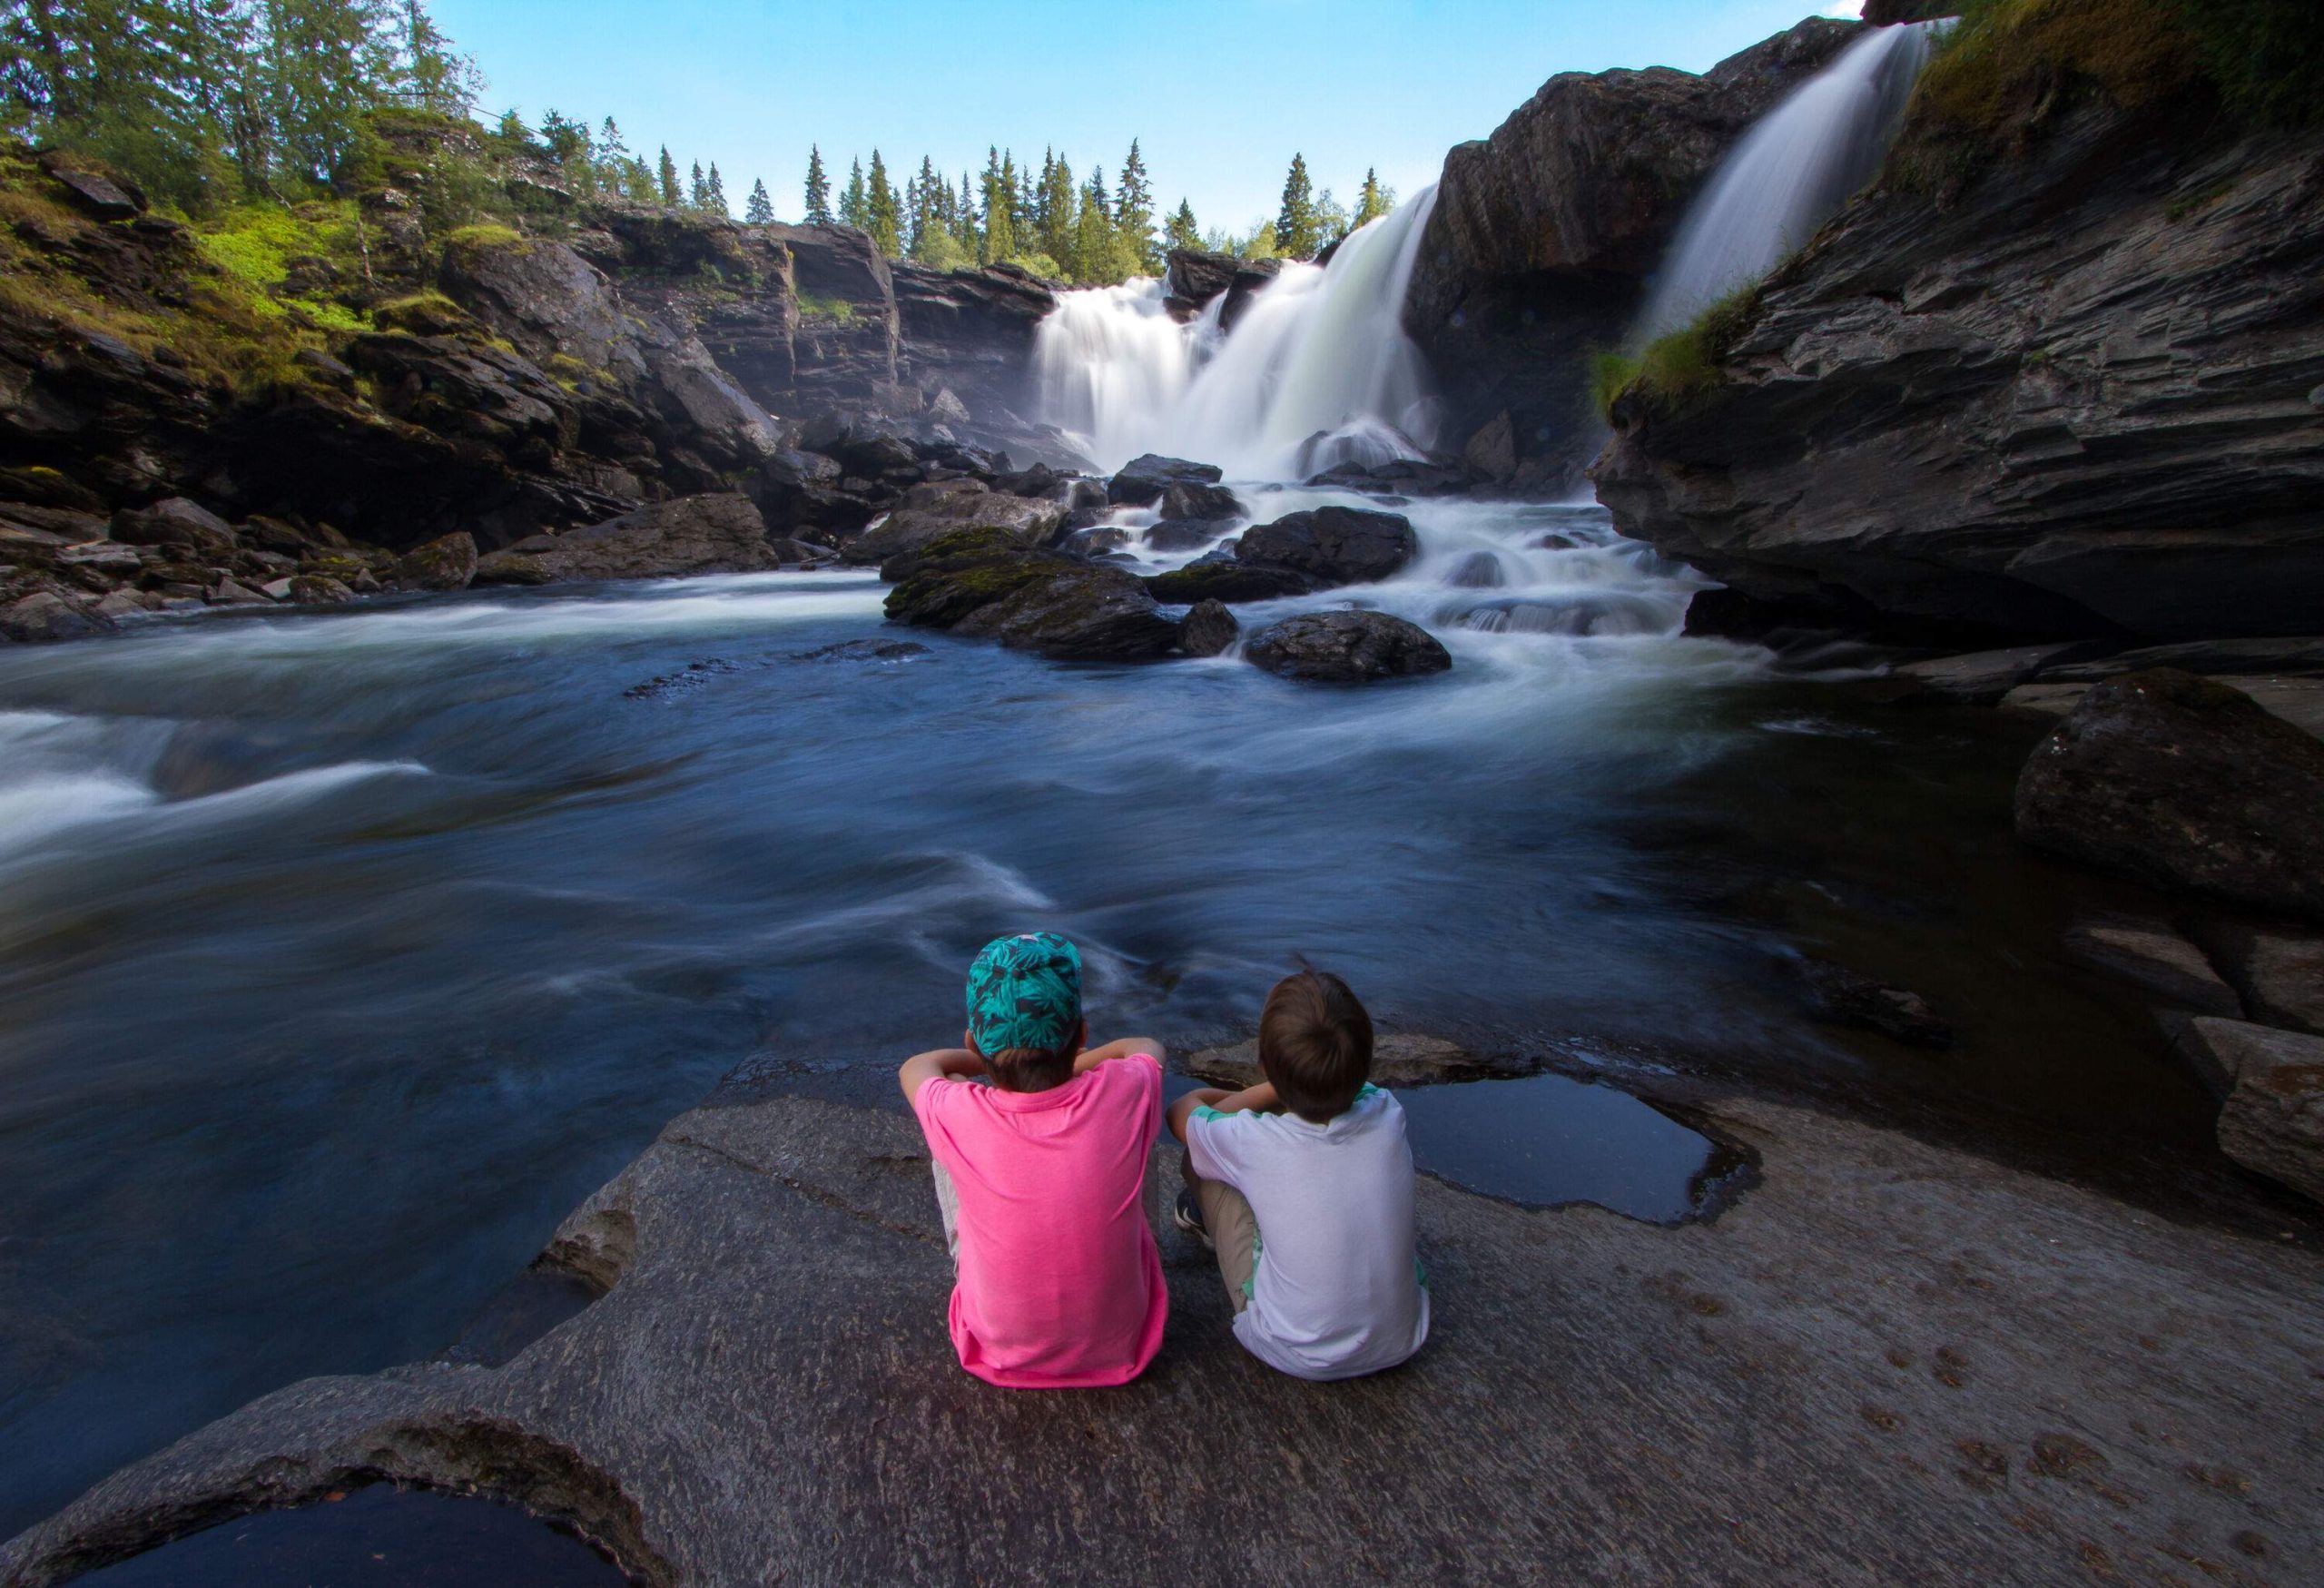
[1796,165]
[1317,370]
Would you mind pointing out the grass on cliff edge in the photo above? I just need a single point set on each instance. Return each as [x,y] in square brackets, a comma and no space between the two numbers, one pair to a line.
[1671,372]
[2008,65]
[211,319]
[259,244]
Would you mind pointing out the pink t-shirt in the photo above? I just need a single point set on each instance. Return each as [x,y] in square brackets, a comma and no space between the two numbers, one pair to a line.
[1060,1287]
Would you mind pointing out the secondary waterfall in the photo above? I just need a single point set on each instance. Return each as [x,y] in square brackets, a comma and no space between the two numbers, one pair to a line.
[1316,371]
[1795,166]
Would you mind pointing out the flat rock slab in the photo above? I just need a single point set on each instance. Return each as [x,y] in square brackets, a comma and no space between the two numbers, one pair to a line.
[2150,954]
[2272,1122]
[1983,676]
[1890,1363]
[2298,700]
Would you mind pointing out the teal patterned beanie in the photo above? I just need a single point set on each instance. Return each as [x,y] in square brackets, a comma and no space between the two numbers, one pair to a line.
[1025,991]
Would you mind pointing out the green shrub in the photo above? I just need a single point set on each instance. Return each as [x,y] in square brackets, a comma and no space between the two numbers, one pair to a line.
[1672,371]
[836,311]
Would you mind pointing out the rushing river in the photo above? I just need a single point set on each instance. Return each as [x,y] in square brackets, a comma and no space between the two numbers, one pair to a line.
[343,953]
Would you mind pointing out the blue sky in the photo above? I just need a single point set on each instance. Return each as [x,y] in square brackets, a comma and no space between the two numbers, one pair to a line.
[1219,95]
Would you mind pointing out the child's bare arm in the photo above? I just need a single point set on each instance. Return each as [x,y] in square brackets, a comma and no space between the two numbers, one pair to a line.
[937,1064]
[1261,1096]
[1090,1058]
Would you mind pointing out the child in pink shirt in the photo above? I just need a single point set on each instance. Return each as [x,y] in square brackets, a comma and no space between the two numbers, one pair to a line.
[1041,1176]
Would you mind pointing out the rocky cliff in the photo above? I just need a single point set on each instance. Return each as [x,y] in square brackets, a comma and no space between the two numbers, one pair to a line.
[2074,390]
[365,383]
[1544,235]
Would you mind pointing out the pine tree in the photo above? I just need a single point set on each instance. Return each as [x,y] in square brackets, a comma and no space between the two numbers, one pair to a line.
[1373,201]
[883,212]
[1180,230]
[759,209]
[714,195]
[1294,224]
[1134,210]
[819,189]
[855,203]
[432,78]
[965,230]
[697,189]
[668,180]
[1060,208]
[999,240]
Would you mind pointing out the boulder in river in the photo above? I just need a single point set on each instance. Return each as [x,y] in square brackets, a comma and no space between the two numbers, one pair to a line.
[1209,630]
[2273,1121]
[1033,522]
[2147,952]
[1142,480]
[720,534]
[2280,974]
[1078,612]
[1194,499]
[1346,647]
[2182,783]
[1224,578]
[1841,996]
[1333,545]
[1186,533]
[446,563]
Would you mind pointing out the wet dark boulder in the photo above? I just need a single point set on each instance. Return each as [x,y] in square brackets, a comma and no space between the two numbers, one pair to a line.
[1222,577]
[1193,277]
[984,581]
[1333,545]
[1208,630]
[1346,647]
[941,580]
[925,517]
[1141,482]
[447,563]
[1195,499]
[1841,996]
[2186,783]
[719,534]
[1186,534]
[1084,613]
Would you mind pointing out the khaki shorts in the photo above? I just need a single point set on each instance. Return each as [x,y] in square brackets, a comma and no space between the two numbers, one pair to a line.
[1234,1232]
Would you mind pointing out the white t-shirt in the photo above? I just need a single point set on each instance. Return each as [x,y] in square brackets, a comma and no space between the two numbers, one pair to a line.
[1337,1291]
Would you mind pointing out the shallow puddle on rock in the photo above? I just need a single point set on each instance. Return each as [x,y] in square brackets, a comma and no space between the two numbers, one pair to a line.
[1549,1140]
[377,1537]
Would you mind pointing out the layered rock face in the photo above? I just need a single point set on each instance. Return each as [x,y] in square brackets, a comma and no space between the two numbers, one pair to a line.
[1543,234]
[2081,398]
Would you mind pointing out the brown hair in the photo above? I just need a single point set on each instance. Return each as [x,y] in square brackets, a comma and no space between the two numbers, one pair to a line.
[1035,1068]
[1314,1044]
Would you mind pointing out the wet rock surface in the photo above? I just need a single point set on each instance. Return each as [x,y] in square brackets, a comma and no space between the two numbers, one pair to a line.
[1031,521]
[1887,1353]
[2272,1120]
[1346,647]
[1142,481]
[2182,783]
[1208,629]
[1333,545]
[693,535]
[2147,953]
[985,582]
[2073,398]
[1841,996]
[1543,234]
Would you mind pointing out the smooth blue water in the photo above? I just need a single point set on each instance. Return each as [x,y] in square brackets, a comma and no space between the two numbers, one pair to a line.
[342,953]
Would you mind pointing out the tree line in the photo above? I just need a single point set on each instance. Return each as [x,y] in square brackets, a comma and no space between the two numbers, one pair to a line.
[1059,227]
[211,103]
[205,101]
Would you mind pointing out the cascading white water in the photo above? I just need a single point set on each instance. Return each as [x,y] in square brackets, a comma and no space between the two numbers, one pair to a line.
[1795,166]
[1317,371]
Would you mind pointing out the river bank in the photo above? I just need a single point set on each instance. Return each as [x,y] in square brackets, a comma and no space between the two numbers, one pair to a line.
[1888,1361]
